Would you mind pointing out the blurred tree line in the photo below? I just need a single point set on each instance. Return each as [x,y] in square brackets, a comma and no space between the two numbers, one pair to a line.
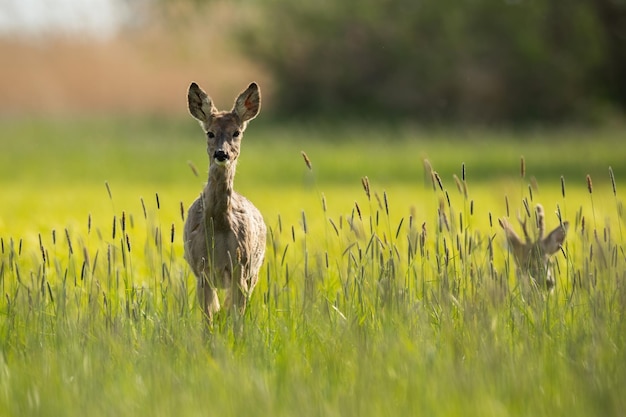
[484,61]
[465,60]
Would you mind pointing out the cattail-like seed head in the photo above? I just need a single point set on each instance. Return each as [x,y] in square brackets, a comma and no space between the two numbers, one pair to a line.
[332,223]
[386,202]
[563,186]
[380,204]
[106,183]
[506,203]
[612,181]
[304,226]
[143,207]
[522,167]
[428,172]
[526,207]
[89,223]
[114,226]
[86,256]
[54,237]
[127,242]
[589,184]
[307,161]
[463,171]
[366,186]
[358,210]
[438,179]
[457,181]
[324,202]
[172,233]
[158,202]
[69,241]
[123,221]
[193,168]
[182,211]
[43,251]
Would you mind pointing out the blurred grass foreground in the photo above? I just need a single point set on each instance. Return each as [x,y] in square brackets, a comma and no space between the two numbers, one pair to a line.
[387,288]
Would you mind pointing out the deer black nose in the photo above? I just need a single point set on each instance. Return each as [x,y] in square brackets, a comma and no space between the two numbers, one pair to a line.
[220,156]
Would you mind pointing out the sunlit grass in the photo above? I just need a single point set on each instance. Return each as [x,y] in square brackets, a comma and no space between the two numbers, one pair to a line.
[377,297]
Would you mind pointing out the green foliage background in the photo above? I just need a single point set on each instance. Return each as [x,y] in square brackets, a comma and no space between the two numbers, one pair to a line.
[481,61]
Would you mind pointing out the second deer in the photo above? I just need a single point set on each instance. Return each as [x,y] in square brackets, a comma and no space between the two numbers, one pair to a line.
[532,256]
[224,233]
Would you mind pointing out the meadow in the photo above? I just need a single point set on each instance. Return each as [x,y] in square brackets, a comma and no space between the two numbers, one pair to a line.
[387,288]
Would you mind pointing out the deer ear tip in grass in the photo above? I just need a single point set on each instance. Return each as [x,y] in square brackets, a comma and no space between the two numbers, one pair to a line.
[532,255]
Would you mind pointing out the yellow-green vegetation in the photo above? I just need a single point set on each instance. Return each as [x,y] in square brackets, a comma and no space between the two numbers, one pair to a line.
[387,288]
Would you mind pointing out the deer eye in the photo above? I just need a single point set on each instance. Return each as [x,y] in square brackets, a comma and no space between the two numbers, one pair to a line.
[211,135]
[236,134]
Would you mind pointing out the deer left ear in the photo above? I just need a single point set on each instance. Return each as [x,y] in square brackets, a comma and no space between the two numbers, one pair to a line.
[555,239]
[248,103]
[200,104]
[512,237]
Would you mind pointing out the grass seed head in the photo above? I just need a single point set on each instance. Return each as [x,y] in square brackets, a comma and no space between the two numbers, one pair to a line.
[438,179]
[193,168]
[143,207]
[366,186]
[358,210]
[612,181]
[307,161]
[589,184]
[69,241]
[106,183]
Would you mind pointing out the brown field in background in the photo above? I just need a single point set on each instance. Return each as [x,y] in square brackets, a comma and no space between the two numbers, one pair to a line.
[146,71]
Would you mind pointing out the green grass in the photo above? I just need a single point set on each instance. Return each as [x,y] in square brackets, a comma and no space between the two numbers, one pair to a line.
[365,306]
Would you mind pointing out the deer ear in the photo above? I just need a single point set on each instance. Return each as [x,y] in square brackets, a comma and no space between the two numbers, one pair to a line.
[555,239]
[200,104]
[512,237]
[248,103]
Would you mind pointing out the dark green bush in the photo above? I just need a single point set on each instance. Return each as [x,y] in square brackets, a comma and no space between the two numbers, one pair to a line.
[485,61]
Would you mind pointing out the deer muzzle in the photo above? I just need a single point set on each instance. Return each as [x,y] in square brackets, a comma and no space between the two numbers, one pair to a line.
[220,157]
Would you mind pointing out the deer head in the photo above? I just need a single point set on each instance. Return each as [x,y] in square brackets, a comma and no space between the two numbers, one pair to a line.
[532,256]
[224,129]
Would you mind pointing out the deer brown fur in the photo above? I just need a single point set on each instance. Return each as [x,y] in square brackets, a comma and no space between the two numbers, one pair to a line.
[224,233]
[532,255]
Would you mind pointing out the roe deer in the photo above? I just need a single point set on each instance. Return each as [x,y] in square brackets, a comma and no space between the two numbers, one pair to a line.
[533,257]
[224,233]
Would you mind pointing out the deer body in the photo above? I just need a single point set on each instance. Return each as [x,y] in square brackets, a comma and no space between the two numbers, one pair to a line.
[532,257]
[224,233]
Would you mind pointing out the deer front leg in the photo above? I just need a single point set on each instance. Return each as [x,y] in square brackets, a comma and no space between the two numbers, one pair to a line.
[237,293]
[207,297]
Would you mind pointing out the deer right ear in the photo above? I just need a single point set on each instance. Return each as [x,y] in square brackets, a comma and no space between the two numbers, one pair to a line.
[555,239]
[200,104]
[248,103]
[512,237]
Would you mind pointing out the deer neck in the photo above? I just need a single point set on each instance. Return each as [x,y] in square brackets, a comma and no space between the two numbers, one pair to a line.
[218,192]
